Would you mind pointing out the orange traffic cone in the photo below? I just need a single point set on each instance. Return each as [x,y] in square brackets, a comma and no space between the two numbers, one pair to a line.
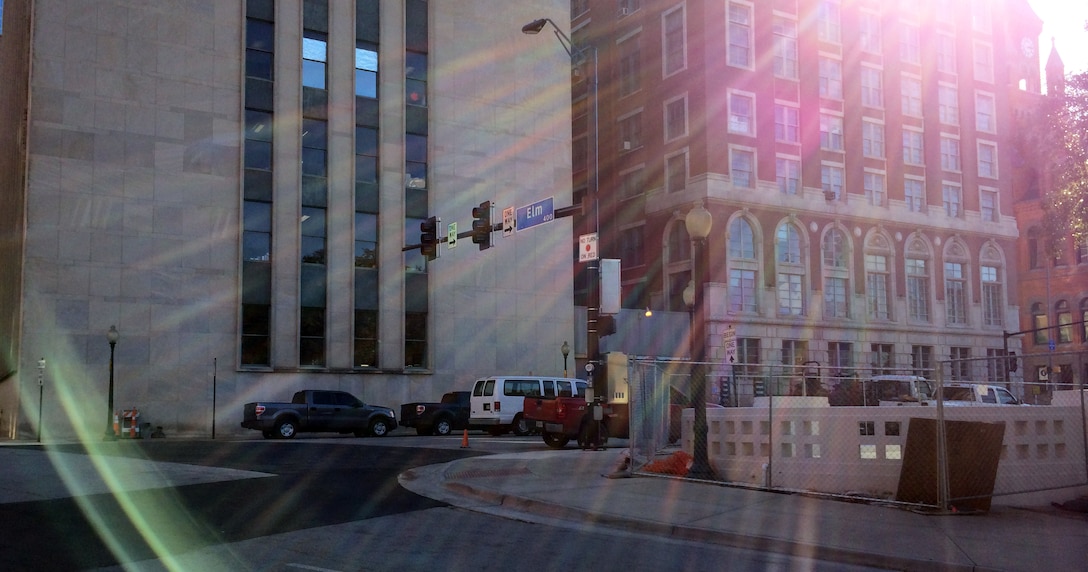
[116,425]
[464,439]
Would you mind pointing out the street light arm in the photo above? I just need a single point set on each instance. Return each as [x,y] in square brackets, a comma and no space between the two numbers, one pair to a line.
[577,55]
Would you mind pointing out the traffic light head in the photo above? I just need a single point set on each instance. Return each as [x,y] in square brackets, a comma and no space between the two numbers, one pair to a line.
[481,225]
[428,238]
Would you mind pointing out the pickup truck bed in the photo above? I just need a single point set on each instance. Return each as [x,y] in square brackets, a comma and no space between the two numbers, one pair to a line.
[452,413]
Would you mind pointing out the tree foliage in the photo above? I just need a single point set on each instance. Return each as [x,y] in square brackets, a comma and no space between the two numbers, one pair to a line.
[1066,203]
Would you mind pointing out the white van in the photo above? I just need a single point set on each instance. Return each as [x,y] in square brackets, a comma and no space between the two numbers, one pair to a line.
[497,400]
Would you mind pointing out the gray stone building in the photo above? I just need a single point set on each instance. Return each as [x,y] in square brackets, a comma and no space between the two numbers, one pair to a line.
[233,185]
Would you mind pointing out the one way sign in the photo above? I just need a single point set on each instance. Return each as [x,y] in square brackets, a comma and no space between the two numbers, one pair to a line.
[729,341]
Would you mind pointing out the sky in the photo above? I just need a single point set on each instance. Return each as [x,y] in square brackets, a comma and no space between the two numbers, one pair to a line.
[1064,21]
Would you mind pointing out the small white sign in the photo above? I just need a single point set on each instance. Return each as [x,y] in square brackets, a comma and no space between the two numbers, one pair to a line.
[587,247]
[729,341]
[507,222]
[451,235]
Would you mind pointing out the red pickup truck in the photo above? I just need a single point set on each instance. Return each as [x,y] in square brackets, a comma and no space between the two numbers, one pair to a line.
[562,414]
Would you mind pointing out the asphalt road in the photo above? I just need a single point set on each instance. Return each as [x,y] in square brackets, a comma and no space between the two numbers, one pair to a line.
[316,483]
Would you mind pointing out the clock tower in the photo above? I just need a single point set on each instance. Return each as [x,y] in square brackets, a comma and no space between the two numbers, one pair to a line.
[1023,27]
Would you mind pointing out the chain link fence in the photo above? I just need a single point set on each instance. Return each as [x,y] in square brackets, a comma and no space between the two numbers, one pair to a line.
[877,434]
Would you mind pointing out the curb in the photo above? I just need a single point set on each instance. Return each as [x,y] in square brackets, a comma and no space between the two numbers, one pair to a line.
[731,539]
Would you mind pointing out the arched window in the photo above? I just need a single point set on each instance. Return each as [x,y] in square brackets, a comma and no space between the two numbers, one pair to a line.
[878,276]
[790,271]
[836,274]
[918,268]
[956,280]
[1039,323]
[743,267]
[991,272]
[1065,321]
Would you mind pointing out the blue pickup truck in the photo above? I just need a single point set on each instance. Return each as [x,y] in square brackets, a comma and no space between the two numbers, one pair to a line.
[315,410]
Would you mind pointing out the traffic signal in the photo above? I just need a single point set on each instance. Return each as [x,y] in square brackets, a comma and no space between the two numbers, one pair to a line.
[428,238]
[481,225]
[606,325]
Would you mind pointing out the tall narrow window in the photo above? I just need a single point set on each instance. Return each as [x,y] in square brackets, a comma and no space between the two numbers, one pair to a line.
[830,78]
[913,152]
[366,70]
[743,267]
[740,35]
[961,363]
[984,62]
[742,165]
[987,159]
[836,274]
[787,124]
[910,95]
[831,132]
[630,72]
[872,139]
[992,296]
[742,113]
[952,195]
[257,206]
[872,87]
[883,358]
[676,118]
[910,47]
[875,189]
[948,105]
[785,48]
[871,35]
[917,289]
[828,21]
[946,53]
[950,154]
[1065,321]
[790,270]
[676,172]
[416,188]
[914,195]
[1039,323]
[314,59]
[788,175]
[831,178]
[988,205]
[674,49]
[985,113]
[876,286]
[955,293]
[921,361]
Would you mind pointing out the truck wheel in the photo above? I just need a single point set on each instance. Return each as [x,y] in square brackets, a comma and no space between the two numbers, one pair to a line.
[379,427]
[286,429]
[520,426]
[555,440]
[442,427]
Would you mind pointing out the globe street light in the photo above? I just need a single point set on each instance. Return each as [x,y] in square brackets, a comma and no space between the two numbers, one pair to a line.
[566,352]
[111,336]
[698,222]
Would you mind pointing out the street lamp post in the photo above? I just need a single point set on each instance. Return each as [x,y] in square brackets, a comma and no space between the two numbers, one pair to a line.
[579,55]
[565,348]
[698,222]
[41,385]
[112,336]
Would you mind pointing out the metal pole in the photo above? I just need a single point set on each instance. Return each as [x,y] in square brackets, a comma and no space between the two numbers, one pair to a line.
[110,435]
[214,368]
[41,385]
[700,467]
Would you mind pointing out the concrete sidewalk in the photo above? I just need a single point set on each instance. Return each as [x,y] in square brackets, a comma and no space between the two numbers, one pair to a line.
[572,485]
